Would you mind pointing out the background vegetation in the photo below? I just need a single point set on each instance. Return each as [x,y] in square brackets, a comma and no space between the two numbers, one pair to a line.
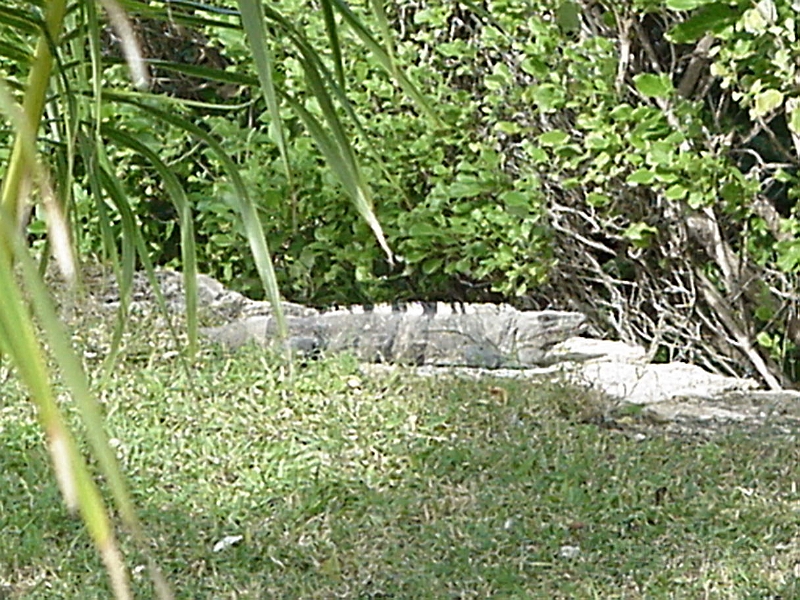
[636,163]
[648,153]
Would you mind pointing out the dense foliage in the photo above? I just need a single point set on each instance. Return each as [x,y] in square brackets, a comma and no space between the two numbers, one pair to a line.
[637,163]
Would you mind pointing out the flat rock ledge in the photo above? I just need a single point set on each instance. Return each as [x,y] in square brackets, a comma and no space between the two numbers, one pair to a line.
[667,393]
[677,393]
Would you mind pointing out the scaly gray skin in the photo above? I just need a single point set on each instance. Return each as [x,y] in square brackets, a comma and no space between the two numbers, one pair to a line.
[485,336]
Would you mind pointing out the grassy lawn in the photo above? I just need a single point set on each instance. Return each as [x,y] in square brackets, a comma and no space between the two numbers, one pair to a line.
[343,484]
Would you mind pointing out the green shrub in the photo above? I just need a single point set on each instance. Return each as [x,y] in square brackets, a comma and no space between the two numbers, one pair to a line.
[575,154]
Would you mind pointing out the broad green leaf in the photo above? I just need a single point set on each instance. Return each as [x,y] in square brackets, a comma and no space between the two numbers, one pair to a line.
[516,199]
[765,102]
[641,177]
[414,256]
[764,313]
[640,234]
[468,187]
[553,138]
[547,97]
[597,200]
[499,78]
[675,192]
[765,340]
[758,19]
[753,21]
[602,160]
[793,112]
[697,200]
[431,265]
[661,153]
[534,66]
[668,176]
[422,228]
[622,112]
[684,5]
[654,86]
[788,256]
[596,141]
[712,18]
[363,273]
[507,127]
[568,16]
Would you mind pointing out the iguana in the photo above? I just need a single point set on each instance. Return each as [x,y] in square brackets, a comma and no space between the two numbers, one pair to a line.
[472,335]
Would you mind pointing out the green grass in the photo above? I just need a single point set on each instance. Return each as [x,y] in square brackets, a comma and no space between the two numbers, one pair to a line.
[351,485]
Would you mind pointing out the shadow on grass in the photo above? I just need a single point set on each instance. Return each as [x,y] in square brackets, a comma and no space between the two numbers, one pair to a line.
[355,485]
